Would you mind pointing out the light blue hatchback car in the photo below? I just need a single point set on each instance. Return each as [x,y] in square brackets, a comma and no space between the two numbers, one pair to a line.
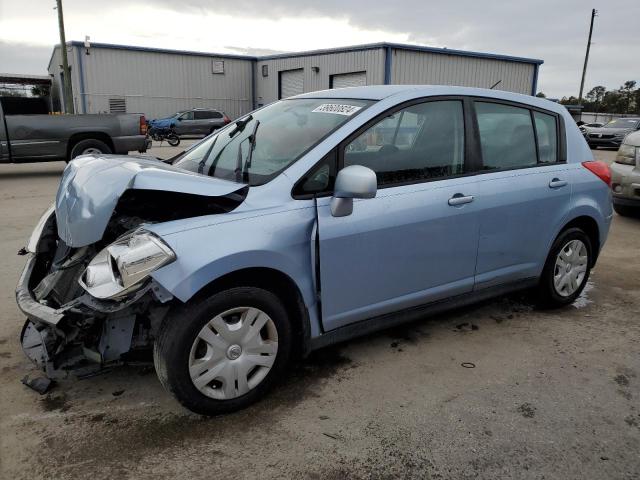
[305,223]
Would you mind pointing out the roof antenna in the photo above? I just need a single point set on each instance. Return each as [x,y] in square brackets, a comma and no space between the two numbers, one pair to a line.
[495,84]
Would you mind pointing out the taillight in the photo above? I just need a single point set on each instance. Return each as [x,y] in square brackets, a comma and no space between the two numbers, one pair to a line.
[226,119]
[143,125]
[599,169]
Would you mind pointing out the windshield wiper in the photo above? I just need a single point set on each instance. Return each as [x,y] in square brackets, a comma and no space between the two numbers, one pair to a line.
[242,171]
[205,157]
[240,124]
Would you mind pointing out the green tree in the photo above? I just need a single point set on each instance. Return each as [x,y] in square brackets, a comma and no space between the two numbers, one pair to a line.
[40,90]
[626,91]
[541,95]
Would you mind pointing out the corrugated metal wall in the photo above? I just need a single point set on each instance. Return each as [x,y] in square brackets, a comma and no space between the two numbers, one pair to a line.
[160,84]
[56,92]
[410,67]
[371,61]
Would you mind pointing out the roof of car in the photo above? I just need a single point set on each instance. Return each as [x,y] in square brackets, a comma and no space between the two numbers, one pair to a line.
[380,92]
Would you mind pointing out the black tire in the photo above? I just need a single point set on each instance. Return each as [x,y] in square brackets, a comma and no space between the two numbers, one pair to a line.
[593,147]
[173,139]
[89,143]
[548,297]
[626,211]
[183,324]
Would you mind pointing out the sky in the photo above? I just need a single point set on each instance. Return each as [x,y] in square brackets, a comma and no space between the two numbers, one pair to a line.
[552,30]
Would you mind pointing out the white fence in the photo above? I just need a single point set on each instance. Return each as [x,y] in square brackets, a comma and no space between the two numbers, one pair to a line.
[593,117]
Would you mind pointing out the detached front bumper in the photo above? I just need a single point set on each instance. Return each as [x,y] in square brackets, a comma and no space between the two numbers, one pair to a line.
[35,311]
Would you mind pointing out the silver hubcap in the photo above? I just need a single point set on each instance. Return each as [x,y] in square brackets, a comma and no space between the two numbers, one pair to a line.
[90,151]
[570,268]
[233,353]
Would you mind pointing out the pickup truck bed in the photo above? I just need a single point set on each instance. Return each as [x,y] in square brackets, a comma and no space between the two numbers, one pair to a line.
[41,138]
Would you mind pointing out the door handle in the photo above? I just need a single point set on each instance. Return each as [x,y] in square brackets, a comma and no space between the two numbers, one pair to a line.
[557,183]
[460,199]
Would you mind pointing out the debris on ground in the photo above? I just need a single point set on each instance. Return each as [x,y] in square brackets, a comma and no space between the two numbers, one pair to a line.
[40,384]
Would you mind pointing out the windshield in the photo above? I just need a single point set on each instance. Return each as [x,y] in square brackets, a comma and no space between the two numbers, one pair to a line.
[622,123]
[259,146]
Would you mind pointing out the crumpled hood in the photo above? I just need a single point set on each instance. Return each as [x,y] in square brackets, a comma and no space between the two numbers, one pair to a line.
[91,186]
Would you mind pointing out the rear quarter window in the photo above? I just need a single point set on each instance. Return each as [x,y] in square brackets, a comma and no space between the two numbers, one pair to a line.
[547,135]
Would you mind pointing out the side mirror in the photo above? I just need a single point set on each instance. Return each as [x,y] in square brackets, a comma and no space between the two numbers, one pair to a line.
[179,119]
[352,182]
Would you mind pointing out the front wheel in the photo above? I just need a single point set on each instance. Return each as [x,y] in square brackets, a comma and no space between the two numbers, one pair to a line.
[220,354]
[173,139]
[566,270]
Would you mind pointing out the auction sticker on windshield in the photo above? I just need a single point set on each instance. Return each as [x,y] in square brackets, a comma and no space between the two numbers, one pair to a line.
[336,108]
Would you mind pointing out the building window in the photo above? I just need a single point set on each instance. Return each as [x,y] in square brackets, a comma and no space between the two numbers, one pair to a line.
[265,70]
[217,66]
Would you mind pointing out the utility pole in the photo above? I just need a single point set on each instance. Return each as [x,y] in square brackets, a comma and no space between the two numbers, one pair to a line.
[594,12]
[68,95]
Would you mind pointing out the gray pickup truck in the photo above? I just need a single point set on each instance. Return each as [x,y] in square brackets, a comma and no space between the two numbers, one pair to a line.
[43,138]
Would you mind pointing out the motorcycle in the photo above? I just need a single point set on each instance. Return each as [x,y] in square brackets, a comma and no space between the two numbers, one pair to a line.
[160,134]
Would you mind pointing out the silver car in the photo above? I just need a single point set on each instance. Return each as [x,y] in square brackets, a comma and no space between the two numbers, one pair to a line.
[625,176]
[200,121]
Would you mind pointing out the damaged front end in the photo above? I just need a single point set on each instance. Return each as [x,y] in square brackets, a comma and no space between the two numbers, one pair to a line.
[86,288]
[68,328]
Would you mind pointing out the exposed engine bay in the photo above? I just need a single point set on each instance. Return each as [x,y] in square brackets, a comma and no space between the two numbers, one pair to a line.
[96,305]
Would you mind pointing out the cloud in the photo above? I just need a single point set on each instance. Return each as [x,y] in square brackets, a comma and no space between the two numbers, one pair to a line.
[24,58]
[553,30]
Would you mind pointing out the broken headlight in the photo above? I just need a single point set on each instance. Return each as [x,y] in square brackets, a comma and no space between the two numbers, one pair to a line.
[123,266]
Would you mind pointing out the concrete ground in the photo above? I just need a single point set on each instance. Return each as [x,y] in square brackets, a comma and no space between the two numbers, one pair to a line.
[553,394]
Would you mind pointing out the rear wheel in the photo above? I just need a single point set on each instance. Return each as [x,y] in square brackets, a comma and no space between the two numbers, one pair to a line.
[173,139]
[567,269]
[220,354]
[90,146]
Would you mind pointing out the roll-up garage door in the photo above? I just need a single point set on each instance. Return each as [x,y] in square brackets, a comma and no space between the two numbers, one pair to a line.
[355,79]
[291,83]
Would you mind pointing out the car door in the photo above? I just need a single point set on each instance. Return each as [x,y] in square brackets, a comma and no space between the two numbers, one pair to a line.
[416,241]
[202,121]
[186,125]
[525,190]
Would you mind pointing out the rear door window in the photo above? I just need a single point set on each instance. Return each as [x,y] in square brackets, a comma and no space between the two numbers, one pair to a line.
[202,114]
[507,137]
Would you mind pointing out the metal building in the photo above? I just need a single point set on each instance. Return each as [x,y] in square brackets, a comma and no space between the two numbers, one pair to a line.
[158,82]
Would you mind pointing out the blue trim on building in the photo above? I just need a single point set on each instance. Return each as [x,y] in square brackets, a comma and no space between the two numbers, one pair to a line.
[401,46]
[534,86]
[354,48]
[253,85]
[83,97]
[163,50]
[388,52]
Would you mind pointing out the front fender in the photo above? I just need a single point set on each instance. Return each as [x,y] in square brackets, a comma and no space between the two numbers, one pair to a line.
[280,241]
